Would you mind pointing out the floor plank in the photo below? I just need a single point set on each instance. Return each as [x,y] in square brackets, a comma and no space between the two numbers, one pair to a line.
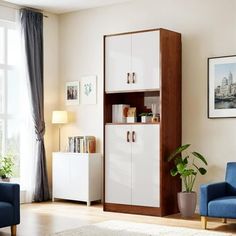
[42,219]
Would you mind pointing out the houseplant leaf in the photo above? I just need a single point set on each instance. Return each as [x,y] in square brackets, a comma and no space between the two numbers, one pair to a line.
[202,171]
[181,167]
[174,171]
[178,151]
[178,160]
[185,160]
[199,156]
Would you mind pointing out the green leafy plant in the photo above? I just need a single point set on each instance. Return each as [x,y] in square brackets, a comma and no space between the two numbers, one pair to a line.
[6,166]
[186,166]
[146,114]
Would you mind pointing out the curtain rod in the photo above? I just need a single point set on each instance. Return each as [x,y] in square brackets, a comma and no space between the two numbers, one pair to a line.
[17,7]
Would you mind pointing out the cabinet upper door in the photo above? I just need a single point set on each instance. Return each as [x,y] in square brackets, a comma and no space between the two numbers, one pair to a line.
[146,165]
[117,63]
[145,61]
[118,164]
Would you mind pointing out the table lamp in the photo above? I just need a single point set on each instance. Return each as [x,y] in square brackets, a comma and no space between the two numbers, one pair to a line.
[59,118]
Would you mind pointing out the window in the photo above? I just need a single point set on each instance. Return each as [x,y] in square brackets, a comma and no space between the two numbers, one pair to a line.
[10,89]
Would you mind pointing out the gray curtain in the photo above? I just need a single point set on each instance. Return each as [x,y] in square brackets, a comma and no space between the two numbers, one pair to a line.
[32,29]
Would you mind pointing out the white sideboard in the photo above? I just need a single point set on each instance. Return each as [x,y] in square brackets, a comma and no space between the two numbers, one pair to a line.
[77,176]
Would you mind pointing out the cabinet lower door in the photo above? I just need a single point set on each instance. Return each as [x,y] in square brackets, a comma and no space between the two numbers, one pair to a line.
[146,165]
[78,178]
[60,176]
[118,164]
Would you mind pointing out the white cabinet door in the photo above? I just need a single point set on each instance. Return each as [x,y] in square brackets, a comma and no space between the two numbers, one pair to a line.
[145,60]
[145,165]
[78,178]
[118,164]
[118,63]
[60,176]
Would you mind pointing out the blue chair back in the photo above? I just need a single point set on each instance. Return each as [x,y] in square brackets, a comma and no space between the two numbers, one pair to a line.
[230,178]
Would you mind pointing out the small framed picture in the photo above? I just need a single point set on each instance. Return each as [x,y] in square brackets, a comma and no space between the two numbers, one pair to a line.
[222,87]
[72,93]
[88,90]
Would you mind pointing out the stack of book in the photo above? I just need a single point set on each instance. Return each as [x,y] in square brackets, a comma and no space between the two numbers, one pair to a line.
[82,144]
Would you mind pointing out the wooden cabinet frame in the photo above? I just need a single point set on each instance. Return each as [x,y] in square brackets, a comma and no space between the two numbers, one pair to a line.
[170,122]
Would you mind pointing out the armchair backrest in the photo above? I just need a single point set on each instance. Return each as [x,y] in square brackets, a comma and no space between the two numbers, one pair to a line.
[230,178]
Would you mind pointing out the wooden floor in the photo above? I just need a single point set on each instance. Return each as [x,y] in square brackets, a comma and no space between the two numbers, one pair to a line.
[44,219]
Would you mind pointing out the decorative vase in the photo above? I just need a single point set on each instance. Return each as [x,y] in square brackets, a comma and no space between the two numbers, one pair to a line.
[187,203]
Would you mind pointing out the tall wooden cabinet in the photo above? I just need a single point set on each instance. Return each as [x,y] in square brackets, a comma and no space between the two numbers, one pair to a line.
[142,68]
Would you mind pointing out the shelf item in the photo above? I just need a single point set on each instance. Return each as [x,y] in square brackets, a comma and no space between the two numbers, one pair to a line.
[146,119]
[77,176]
[131,59]
[119,113]
[142,69]
[131,119]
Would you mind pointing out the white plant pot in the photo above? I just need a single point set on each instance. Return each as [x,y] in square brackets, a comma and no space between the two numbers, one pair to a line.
[146,119]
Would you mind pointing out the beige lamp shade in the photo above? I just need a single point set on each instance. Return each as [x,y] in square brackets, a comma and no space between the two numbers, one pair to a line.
[59,117]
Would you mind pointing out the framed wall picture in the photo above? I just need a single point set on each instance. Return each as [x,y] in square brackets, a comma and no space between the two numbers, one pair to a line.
[72,93]
[88,89]
[222,87]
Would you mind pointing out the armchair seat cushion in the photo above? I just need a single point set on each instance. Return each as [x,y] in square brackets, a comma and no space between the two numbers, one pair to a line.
[6,213]
[223,207]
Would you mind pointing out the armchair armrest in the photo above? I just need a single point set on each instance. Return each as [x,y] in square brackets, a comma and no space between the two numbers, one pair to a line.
[209,192]
[10,192]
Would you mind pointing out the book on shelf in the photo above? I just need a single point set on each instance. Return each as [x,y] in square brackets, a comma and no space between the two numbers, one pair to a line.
[82,144]
[71,144]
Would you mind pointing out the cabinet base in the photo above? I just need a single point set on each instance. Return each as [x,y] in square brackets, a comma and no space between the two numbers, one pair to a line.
[130,209]
[88,203]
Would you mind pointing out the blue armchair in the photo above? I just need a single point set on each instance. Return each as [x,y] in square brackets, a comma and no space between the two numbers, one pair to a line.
[9,206]
[219,199]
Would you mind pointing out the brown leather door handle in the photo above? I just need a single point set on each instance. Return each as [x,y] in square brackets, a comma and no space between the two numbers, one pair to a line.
[127,136]
[133,137]
[133,77]
[128,77]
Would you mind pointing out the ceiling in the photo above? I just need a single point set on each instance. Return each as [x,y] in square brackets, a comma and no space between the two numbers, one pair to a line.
[63,6]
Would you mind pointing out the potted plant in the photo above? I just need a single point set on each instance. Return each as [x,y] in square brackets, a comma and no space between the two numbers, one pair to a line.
[6,167]
[187,167]
[146,117]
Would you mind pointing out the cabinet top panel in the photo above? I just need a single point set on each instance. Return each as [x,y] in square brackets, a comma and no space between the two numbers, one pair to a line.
[140,31]
[75,154]
[136,123]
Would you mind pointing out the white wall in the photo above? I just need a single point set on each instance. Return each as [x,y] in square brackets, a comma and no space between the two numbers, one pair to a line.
[51,84]
[207,28]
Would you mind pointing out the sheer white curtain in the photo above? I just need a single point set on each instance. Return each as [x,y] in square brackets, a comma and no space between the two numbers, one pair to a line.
[27,133]
[27,143]
[25,127]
